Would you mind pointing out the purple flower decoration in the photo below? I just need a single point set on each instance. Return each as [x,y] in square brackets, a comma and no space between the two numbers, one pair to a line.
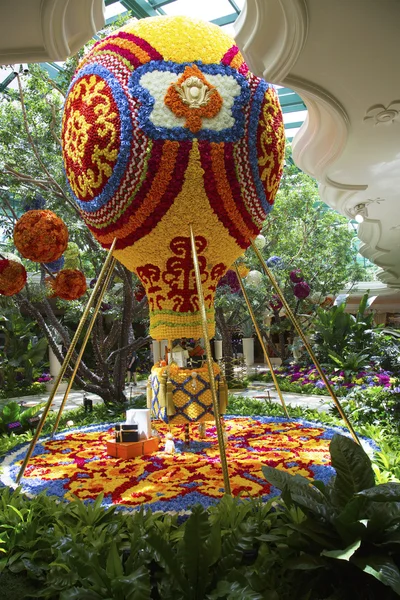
[296,276]
[383,379]
[55,265]
[45,377]
[295,377]
[319,384]
[37,203]
[301,290]
[230,279]
[275,262]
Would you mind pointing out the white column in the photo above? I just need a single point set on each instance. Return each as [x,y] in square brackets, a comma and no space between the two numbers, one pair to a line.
[164,344]
[55,366]
[248,351]
[218,349]
[156,351]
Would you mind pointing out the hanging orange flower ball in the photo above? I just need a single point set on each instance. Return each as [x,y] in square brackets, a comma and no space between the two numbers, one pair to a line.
[12,277]
[70,284]
[41,236]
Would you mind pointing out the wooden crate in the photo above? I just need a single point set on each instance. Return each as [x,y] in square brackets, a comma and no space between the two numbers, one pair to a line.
[132,449]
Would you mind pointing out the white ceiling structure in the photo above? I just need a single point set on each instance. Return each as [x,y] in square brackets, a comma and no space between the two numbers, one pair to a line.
[46,30]
[341,57]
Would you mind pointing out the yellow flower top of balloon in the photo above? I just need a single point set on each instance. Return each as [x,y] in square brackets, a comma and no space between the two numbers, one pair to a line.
[164,126]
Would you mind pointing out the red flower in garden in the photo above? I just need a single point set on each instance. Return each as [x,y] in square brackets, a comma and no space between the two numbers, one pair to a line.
[41,236]
[70,284]
[301,290]
[12,277]
[276,303]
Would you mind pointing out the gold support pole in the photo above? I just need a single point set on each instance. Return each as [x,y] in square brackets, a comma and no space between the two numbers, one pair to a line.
[263,346]
[66,362]
[305,341]
[203,313]
[85,341]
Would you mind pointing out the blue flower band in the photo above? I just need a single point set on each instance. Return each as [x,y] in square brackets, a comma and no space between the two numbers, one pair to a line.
[253,151]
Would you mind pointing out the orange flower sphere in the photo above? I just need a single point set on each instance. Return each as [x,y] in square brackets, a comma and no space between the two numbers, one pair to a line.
[70,284]
[12,277]
[40,236]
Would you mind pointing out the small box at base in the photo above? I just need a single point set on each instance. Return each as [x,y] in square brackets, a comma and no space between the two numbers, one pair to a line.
[132,449]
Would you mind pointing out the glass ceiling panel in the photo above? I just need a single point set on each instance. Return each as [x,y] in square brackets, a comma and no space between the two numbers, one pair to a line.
[204,9]
[112,10]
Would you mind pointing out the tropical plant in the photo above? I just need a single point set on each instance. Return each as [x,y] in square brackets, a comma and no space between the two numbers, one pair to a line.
[350,362]
[340,334]
[23,354]
[347,535]
[374,405]
[12,412]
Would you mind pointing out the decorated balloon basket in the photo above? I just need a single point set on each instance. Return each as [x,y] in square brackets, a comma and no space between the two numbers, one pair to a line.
[179,395]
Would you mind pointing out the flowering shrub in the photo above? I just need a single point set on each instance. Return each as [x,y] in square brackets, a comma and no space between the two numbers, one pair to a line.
[309,376]
[44,378]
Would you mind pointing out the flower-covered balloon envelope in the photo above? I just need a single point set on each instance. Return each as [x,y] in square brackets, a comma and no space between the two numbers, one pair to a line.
[164,126]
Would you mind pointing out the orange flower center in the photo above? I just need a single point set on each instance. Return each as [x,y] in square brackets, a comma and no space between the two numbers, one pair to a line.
[193,98]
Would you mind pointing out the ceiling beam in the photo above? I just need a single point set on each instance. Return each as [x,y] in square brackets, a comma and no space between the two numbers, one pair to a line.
[225,20]
[6,82]
[140,8]
[161,3]
[293,125]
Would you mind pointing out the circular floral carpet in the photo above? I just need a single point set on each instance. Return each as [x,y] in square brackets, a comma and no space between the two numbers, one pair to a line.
[75,462]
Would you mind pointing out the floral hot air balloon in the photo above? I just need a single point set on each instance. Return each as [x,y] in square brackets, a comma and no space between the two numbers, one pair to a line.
[164,126]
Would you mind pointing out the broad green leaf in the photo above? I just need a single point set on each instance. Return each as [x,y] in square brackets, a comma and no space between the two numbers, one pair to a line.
[114,566]
[353,469]
[301,490]
[213,546]
[382,568]
[234,590]
[164,551]
[345,554]
[78,593]
[197,530]
[19,513]
[385,492]
[306,562]
[136,585]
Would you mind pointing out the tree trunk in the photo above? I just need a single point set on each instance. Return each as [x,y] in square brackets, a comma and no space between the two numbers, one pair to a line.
[227,348]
